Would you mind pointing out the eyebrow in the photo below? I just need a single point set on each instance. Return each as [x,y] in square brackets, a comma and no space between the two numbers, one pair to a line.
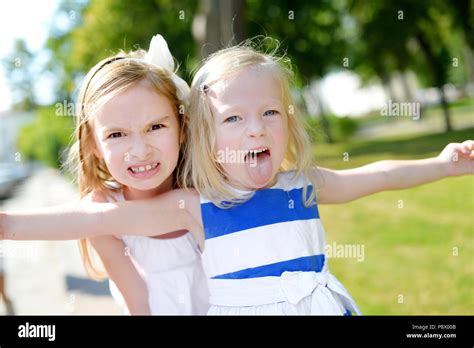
[118,129]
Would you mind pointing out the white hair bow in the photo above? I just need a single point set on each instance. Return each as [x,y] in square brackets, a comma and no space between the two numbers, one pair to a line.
[160,55]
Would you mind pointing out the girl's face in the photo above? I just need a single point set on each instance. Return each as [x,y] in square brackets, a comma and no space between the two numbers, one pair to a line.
[249,116]
[137,135]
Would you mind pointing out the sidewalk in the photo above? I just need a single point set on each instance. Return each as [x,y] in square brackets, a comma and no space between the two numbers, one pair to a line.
[47,277]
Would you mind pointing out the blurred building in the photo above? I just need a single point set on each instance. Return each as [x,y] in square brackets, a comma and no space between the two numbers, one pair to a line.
[10,124]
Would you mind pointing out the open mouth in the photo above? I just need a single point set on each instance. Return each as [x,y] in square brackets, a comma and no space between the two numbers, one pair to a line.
[253,155]
[143,169]
[259,166]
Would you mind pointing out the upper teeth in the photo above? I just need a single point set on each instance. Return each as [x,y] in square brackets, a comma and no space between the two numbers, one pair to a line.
[255,152]
[145,168]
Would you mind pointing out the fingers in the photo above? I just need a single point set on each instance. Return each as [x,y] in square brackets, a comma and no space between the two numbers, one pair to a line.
[467,148]
[468,144]
[464,149]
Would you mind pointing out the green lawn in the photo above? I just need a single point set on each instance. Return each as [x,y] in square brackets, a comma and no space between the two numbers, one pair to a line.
[409,251]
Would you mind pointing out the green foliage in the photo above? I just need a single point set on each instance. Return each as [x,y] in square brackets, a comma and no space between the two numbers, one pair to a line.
[342,128]
[345,127]
[19,69]
[102,28]
[46,137]
[422,36]
[310,31]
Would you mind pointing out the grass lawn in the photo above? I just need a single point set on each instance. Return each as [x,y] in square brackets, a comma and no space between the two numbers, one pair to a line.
[418,259]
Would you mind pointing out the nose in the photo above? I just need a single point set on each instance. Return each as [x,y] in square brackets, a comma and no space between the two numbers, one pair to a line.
[140,149]
[255,127]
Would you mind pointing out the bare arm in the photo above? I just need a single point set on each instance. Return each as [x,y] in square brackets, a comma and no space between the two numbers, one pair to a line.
[123,272]
[165,213]
[340,186]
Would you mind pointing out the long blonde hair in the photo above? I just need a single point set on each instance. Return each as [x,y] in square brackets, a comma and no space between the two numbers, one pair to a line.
[201,169]
[105,80]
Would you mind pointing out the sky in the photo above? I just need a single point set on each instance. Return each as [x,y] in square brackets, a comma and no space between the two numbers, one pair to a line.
[31,20]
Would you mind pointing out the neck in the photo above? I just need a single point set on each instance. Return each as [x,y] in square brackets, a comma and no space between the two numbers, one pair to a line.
[132,194]
[238,186]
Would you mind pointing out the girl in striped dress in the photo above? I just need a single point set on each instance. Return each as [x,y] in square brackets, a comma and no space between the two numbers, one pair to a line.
[254,209]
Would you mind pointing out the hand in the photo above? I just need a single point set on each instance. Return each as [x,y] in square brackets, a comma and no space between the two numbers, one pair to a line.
[458,158]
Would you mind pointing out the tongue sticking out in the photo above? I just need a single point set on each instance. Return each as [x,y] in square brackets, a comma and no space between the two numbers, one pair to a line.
[259,168]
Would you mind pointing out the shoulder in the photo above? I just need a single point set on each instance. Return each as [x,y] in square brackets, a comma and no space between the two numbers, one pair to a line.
[185,198]
[291,180]
[191,207]
[189,200]
[96,197]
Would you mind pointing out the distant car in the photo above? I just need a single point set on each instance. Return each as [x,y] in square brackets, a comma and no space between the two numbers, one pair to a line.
[11,173]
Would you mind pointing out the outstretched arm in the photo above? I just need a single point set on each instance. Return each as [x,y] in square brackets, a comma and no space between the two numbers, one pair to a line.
[165,213]
[340,186]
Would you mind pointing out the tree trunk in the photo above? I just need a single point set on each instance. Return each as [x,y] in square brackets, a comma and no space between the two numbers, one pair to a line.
[437,70]
[322,113]
[407,90]
[387,86]
[445,106]
[224,24]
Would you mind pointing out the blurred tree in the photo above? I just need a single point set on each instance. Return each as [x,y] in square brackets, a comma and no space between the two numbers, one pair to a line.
[311,31]
[69,16]
[20,73]
[46,137]
[219,24]
[392,34]
[84,34]
[463,13]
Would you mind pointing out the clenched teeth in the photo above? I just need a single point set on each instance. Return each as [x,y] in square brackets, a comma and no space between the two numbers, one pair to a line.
[143,169]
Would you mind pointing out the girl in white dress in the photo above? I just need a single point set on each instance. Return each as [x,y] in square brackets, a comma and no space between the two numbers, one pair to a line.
[129,136]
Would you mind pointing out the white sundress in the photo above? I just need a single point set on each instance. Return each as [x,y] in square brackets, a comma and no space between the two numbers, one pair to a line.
[172,271]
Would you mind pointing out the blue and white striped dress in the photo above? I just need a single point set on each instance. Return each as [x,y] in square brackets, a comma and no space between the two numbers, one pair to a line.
[266,256]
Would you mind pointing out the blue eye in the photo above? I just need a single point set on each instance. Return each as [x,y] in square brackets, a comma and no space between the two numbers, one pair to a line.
[232,119]
[115,135]
[156,126]
[270,113]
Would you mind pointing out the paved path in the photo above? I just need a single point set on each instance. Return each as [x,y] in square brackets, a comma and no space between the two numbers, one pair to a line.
[46,277]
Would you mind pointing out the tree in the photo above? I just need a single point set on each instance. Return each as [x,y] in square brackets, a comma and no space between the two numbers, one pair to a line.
[219,24]
[393,36]
[311,31]
[102,28]
[20,73]
[46,137]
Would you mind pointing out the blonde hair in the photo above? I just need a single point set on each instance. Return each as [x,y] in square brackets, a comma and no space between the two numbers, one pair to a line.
[105,80]
[201,168]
